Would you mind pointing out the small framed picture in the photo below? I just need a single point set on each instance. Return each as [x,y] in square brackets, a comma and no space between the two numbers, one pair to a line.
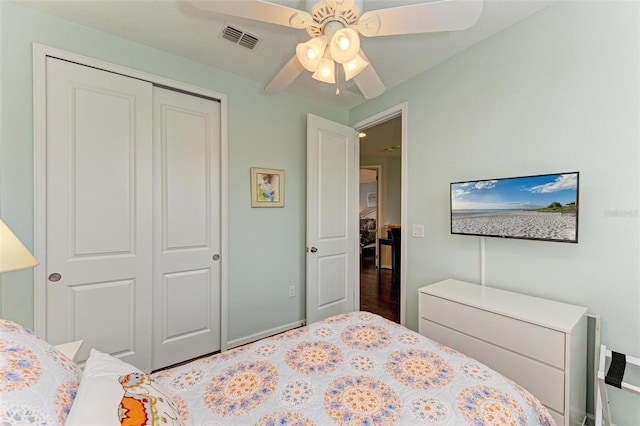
[372,199]
[267,187]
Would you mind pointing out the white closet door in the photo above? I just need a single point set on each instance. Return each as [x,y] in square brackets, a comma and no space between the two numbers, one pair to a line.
[99,185]
[186,294]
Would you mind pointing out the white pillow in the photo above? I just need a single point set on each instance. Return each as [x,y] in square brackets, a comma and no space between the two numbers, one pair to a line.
[111,388]
[100,392]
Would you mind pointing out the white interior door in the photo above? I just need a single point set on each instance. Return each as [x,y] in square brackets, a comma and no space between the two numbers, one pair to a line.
[186,294]
[331,218]
[99,184]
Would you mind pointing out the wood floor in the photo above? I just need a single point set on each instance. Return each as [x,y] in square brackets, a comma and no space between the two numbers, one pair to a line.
[378,297]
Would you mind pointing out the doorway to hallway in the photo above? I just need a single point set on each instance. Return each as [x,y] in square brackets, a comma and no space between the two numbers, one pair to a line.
[380,211]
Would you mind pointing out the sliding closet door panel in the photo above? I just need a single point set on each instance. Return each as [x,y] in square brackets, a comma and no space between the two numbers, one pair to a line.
[96,300]
[185,172]
[186,291]
[99,185]
[100,150]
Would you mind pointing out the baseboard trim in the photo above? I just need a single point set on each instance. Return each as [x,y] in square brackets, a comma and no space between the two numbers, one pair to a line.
[267,333]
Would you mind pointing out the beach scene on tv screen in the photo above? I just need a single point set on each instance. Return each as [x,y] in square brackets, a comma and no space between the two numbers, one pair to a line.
[537,207]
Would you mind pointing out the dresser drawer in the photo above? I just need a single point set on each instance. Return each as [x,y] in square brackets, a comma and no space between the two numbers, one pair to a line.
[544,381]
[533,341]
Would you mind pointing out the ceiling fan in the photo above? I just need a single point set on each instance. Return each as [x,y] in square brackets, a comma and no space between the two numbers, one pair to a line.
[334,27]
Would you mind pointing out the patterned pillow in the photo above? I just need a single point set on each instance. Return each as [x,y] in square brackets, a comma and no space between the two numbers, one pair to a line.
[145,402]
[116,393]
[37,382]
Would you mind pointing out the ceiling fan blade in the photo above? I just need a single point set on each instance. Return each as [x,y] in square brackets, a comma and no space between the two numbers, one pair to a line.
[258,10]
[443,15]
[368,81]
[285,76]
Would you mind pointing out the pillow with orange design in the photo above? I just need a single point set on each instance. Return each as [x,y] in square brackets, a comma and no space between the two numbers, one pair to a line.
[145,402]
[113,392]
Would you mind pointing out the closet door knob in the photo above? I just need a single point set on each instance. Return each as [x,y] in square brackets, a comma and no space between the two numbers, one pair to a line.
[55,277]
[314,249]
[216,257]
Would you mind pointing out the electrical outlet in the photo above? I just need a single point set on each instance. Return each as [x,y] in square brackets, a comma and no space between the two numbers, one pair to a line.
[292,291]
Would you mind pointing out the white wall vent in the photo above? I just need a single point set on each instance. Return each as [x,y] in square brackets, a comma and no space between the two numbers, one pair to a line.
[240,37]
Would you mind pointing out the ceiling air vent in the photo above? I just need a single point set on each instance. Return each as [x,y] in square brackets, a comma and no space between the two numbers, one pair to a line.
[240,37]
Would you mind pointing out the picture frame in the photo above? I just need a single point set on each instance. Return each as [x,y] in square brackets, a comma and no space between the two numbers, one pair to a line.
[267,187]
[372,199]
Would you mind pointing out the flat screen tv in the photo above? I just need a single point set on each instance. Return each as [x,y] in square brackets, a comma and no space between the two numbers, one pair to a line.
[542,207]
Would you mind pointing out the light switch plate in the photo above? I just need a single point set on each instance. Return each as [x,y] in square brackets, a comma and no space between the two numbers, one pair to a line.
[417,231]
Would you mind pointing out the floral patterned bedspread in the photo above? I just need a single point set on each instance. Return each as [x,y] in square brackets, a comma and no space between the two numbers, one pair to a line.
[351,369]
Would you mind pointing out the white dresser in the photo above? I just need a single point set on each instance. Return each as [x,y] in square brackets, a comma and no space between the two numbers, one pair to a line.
[538,343]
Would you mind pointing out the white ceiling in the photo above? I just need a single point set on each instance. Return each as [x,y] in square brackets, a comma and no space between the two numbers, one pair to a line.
[180,28]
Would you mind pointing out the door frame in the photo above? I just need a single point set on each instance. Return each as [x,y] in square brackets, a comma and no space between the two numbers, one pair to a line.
[379,203]
[40,53]
[392,112]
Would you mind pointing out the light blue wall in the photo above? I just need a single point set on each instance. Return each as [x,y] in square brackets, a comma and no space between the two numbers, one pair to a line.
[557,92]
[266,246]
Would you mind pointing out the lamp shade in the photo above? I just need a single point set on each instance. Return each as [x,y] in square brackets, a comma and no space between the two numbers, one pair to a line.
[326,71]
[310,53]
[344,45]
[353,67]
[13,254]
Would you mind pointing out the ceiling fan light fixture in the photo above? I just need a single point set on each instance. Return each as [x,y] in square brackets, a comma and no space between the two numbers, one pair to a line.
[326,71]
[300,20]
[310,53]
[340,5]
[344,45]
[353,67]
[341,23]
[369,24]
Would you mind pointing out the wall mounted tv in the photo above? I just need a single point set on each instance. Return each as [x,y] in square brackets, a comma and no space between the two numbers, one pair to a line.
[542,207]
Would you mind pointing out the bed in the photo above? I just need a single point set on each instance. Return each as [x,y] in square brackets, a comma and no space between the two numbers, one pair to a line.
[350,369]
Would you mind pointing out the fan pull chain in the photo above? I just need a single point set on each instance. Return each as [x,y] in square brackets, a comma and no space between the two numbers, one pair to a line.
[337,74]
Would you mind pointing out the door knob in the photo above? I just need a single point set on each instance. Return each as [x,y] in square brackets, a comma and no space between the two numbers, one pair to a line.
[216,256]
[313,249]
[55,277]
